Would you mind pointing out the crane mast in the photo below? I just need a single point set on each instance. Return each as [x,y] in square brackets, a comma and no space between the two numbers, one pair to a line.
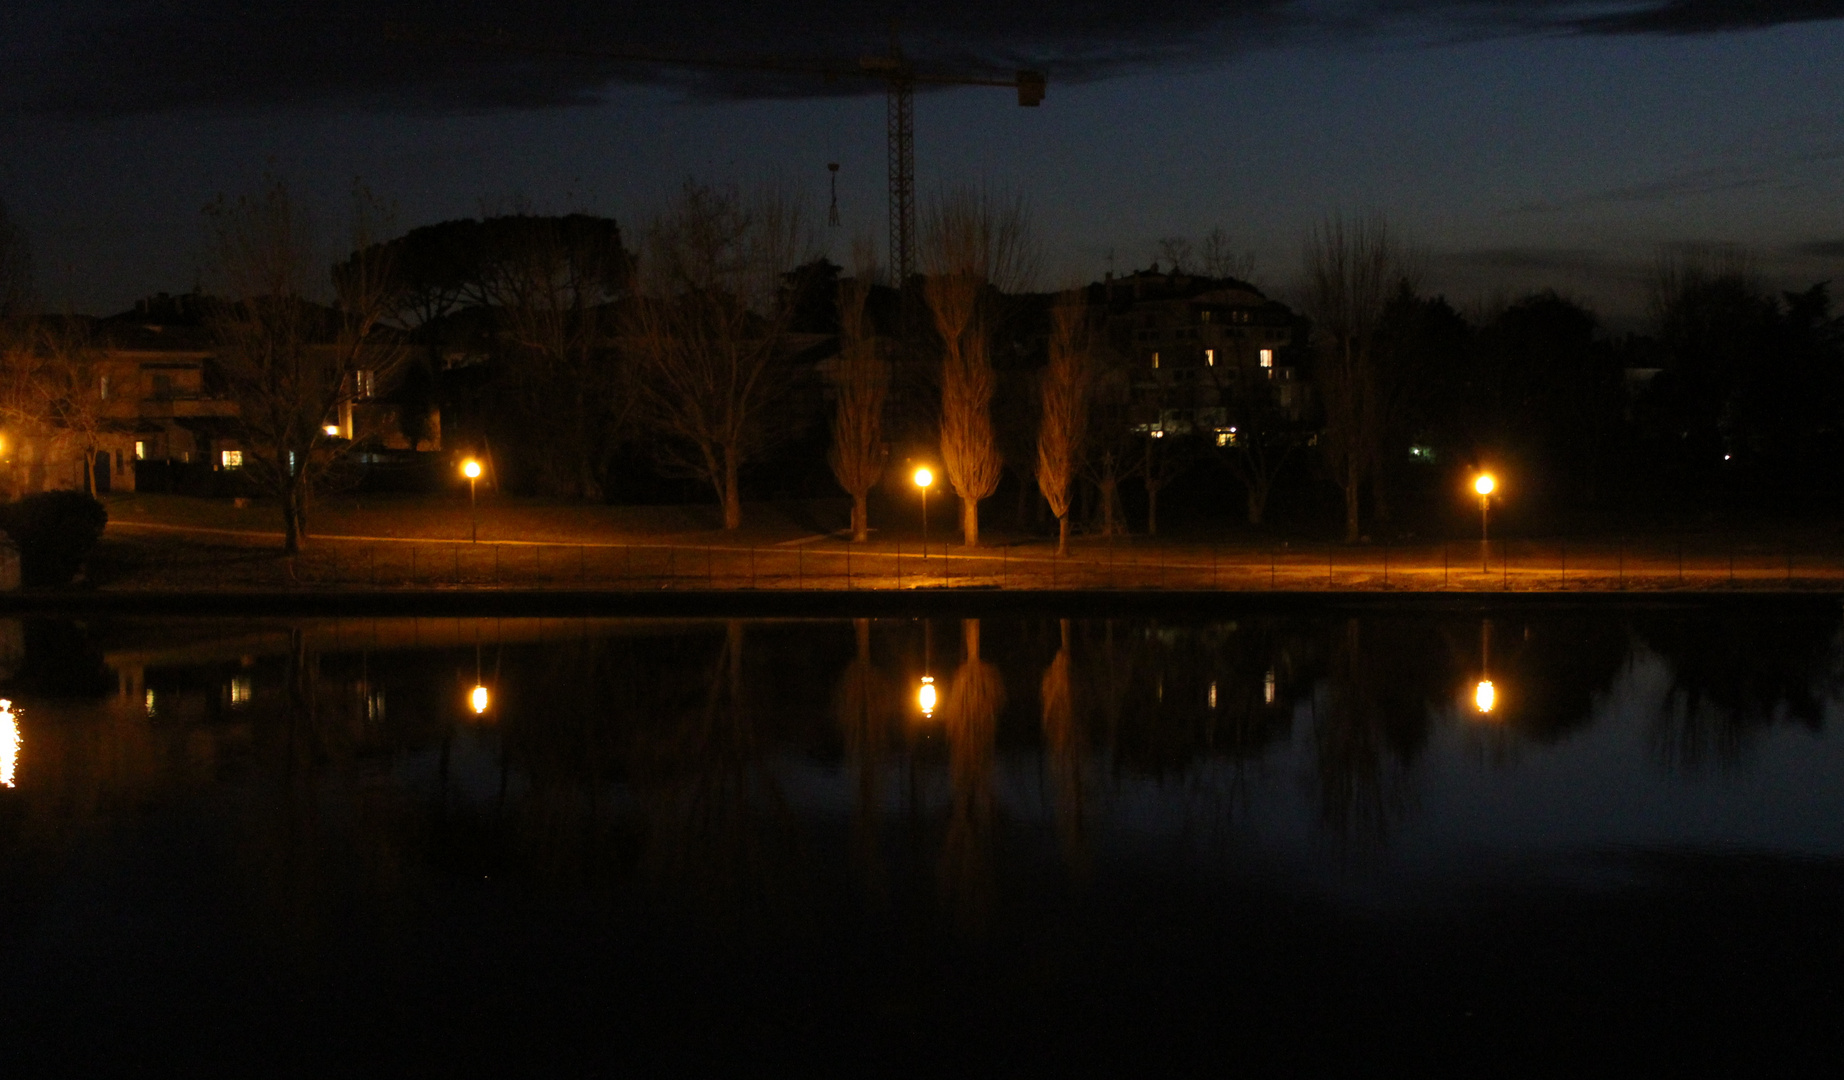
[900,77]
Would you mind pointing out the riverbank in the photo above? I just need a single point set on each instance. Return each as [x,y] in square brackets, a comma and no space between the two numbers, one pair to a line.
[176,547]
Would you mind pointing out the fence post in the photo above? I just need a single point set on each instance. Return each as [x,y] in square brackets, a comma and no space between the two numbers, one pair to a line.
[1005,562]
[1330,553]
[412,564]
[1564,544]
[800,567]
[899,564]
[1620,560]
[1443,564]
[457,564]
[1504,564]
[1270,569]
[582,564]
[496,564]
[1386,564]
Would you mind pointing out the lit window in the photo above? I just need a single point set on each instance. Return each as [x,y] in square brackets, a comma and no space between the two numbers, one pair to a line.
[232,459]
[240,690]
[1210,357]
[1268,687]
[104,389]
[365,383]
[152,707]
[1155,361]
[1267,358]
[140,450]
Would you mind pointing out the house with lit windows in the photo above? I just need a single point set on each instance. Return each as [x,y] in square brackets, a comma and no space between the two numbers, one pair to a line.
[1201,352]
[166,423]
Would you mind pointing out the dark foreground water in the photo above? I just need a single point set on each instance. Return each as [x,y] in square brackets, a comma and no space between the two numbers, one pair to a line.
[1256,844]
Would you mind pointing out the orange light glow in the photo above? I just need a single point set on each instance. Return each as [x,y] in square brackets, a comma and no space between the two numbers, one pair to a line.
[479,699]
[9,743]
[925,697]
[1485,696]
[1485,484]
[471,469]
[924,477]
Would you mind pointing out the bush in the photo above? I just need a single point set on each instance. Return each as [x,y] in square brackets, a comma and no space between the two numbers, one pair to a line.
[54,531]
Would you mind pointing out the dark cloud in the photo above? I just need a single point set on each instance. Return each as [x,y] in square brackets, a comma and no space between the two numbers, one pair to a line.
[1708,16]
[122,57]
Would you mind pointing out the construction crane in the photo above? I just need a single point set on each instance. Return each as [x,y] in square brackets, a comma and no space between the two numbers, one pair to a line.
[899,74]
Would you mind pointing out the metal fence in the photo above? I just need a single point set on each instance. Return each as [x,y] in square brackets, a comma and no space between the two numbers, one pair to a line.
[1515,565]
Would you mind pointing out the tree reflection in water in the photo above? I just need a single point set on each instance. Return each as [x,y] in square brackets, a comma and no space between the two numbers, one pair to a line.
[677,762]
[1066,754]
[1733,679]
[970,718]
[867,704]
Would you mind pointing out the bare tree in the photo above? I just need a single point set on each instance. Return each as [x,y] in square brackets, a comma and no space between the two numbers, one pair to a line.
[975,242]
[1219,258]
[1262,439]
[557,283]
[1177,253]
[1352,266]
[1062,430]
[861,383]
[291,364]
[710,332]
[51,395]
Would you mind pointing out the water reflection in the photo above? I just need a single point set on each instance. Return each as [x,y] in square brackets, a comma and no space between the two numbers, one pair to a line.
[1152,819]
[688,758]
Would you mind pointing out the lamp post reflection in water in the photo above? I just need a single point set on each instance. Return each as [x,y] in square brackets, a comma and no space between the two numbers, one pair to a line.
[1485,694]
[9,743]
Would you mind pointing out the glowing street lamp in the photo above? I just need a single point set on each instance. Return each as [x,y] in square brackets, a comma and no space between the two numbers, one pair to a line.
[471,469]
[9,743]
[1485,484]
[479,700]
[1485,697]
[926,697]
[924,477]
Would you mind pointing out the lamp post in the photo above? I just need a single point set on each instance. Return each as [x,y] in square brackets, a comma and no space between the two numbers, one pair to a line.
[471,469]
[923,478]
[1484,484]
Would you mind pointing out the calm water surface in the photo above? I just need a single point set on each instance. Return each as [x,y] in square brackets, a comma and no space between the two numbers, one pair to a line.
[1604,839]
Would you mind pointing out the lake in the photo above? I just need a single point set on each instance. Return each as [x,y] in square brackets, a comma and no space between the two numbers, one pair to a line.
[1598,838]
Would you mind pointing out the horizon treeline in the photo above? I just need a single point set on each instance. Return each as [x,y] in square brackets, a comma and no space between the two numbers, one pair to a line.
[721,347]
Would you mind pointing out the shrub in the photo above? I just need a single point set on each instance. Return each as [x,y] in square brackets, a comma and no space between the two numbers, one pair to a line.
[54,531]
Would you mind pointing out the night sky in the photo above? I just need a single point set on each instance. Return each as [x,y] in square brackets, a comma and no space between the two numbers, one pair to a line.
[1517,144]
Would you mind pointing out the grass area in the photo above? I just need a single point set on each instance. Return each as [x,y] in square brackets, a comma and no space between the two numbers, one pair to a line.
[509,520]
[405,541]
